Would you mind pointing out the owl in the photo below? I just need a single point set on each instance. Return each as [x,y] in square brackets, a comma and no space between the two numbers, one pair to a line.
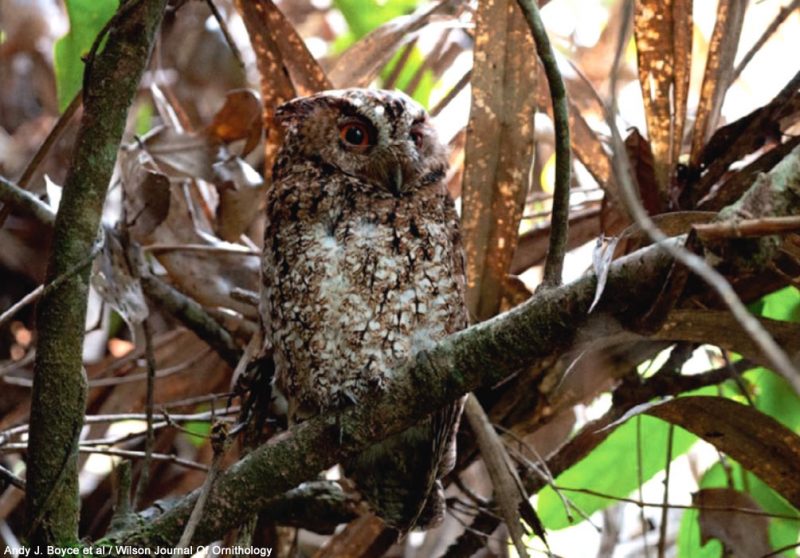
[362,268]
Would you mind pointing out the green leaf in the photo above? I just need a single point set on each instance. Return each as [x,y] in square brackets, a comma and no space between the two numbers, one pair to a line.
[363,16]
[144,118]
[612,468]
[774,396]
[782,305]
[86,19]
[197,432]
[422,92]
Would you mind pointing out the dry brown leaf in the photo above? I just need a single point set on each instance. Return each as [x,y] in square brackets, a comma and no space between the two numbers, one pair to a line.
[742,534]
[284,64]
[238,119]
[641,157]
[758,442]
[360,64]
[590,151]
[719,71]
[499,150]
[181,154]
[206,276]
[740,138]
[585,143]
[119,286]
[663,32]
[241,193]
[150,207]
[514,293]
[740,181]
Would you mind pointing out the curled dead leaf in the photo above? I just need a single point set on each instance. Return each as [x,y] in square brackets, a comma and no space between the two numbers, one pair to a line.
[238,119]
[742,534]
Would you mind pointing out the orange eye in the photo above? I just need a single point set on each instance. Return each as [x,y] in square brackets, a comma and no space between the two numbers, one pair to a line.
[355,134]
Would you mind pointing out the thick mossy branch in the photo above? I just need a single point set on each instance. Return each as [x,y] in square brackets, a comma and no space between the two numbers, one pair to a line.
[482,355]
[59,388]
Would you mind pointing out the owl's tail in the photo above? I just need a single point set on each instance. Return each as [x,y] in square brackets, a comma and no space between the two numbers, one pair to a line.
[399,477]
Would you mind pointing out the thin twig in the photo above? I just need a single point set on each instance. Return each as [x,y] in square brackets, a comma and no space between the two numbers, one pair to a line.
[20,304]
[560,220]
[763,226]
[11,478]
[170,420]
[193,417]
[662,530]
[781,550]
[233,250]
[192,314]
[19,447]
[644,504]
[119,380]
[43,290]
[507,486]
[14,196]
[542,471]
[640,481]
[150,358]
[44,149]
[784,12]
[219,441]
[737,379]
[122,498]
[223,26]
[15,365]
[456,89]
[160,374]
[479,500]
[140,455]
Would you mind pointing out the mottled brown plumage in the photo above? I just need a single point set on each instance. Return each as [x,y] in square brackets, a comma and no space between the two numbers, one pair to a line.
[363,268]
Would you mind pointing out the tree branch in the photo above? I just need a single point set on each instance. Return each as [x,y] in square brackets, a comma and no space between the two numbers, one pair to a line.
[14,196]
[559,227]
[479,356]
[483,355]
[59,389]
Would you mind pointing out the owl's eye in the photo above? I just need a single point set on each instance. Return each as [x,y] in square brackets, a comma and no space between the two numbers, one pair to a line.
[417,137]
[355,134]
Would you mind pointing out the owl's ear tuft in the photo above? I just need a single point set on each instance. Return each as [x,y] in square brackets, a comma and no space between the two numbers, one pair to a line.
[291,112]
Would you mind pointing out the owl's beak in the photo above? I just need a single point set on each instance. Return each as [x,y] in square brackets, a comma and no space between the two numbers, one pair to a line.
[396,179]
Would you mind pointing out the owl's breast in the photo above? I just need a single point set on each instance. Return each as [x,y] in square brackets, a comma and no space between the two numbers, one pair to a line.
[357,285]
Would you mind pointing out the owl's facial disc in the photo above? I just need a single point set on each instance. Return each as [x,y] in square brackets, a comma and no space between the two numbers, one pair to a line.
[383,138]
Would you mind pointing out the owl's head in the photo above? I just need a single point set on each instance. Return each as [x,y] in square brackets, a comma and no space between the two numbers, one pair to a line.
[383,138]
